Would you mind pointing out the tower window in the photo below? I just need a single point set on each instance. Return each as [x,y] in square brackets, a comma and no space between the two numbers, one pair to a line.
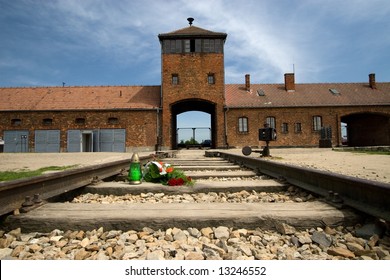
[209,45]
[173,46]
[175,79]
[211,79]
[189,46]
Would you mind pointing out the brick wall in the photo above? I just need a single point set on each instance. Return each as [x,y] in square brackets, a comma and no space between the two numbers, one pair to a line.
[192,70]
[140,126]
[331,116]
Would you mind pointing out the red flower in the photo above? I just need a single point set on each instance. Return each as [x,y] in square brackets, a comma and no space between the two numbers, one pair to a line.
[176,182]
[180,181]
[172,182]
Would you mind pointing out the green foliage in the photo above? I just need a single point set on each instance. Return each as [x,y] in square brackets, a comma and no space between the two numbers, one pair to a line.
[192,141]
[363,151]
[153,175]
[167,175]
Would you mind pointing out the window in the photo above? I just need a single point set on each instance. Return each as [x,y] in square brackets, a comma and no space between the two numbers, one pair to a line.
[178,46]
[243,124]
[297,128]
[113,120]
[16,122]
[334,91]
[173,46]
[218,46]
[175,79]
[284,127]
[209,45]
[47,121]
[317,123]
[260,92]
[193,45]
[271,122]
[80,121]
[211,79]
[189,46]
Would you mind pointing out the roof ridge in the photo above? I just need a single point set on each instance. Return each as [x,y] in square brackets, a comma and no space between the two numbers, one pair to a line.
[85,86]
[327,83]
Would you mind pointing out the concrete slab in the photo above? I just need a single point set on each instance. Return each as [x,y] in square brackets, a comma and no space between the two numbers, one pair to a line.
[227,174]
[209,167]
[122,188]
[74,216]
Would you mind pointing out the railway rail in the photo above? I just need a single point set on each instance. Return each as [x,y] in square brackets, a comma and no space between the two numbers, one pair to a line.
[367,196]
[254,213]
[13,193]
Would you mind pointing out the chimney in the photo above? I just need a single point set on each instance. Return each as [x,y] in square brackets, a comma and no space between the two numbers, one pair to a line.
[248,82]
[289,81]
[371,80]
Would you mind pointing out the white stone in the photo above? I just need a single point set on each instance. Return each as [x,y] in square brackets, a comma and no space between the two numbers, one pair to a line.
[221,232]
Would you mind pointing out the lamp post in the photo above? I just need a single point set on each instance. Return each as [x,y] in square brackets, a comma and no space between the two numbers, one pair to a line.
[135,173]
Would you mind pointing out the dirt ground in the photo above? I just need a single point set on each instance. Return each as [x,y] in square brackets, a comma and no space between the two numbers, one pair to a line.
[361,165]
[366,166]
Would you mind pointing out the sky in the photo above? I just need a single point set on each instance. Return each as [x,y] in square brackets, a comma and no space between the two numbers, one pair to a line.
[105,42]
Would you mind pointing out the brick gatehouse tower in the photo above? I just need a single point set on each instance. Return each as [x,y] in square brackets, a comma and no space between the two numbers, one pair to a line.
[192,79]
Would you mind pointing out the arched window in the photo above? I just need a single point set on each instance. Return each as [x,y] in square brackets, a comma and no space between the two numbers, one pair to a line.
[113,120]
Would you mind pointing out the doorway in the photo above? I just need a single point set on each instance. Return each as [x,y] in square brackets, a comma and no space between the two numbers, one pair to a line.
[87,141]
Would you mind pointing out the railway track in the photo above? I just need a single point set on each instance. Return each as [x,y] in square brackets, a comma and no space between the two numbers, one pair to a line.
[231,191]
[338,191]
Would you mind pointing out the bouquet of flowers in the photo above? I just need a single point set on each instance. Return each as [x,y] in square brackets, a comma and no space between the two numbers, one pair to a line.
[166,174]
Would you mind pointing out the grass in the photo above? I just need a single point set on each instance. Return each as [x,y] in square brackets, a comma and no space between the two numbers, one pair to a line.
[369,152]
[25,173]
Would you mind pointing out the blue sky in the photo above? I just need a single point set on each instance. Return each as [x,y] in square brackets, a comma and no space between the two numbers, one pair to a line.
[98,42]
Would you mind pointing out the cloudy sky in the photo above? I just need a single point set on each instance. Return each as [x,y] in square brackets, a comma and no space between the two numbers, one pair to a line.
[105,42]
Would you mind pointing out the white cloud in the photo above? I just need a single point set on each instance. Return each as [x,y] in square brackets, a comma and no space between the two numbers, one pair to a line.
[265,38]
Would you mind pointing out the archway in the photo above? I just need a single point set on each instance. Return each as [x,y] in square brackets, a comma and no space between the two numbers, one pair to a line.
[192,105]
[367,129]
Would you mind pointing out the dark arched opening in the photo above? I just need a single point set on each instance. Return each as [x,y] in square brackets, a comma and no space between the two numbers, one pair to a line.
[192,105]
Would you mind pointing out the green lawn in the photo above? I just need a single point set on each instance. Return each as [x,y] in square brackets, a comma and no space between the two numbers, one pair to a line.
[370,152]
[25,173]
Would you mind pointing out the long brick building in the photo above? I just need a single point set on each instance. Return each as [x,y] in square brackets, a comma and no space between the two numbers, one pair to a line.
[141,118]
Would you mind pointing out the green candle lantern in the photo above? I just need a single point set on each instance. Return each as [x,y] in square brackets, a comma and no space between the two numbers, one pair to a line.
[135,173]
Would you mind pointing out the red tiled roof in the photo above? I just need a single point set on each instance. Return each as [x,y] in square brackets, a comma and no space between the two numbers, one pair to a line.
[80,98]
[275,95]
[148,97]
